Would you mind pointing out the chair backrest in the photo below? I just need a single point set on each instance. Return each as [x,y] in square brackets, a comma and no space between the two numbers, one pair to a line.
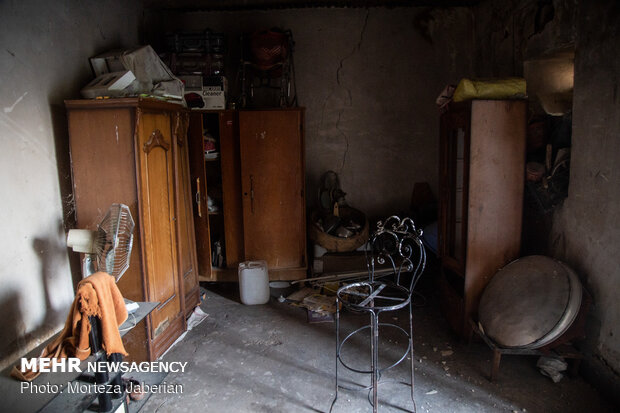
[397,244]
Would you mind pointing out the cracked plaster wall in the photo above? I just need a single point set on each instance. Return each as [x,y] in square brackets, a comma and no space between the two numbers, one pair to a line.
[368,79]
[44,52]
[585,231]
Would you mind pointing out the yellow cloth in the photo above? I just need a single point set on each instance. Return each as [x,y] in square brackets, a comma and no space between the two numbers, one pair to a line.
[507,88]
[97,295]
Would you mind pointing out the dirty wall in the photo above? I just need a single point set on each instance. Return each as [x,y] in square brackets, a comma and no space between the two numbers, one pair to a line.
[44,60]
[368,79]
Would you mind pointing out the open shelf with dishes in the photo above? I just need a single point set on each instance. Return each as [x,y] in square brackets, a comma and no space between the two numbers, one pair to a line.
[214,157]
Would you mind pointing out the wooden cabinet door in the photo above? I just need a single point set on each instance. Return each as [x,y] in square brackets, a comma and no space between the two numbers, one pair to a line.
[157,217]
[198,179]
[186,244]
[272,180]
[231,188]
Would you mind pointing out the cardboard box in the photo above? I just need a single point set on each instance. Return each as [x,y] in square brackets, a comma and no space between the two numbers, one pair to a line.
[214,98]
[212,90]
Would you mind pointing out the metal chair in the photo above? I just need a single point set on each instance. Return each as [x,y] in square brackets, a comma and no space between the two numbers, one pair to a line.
[395,249]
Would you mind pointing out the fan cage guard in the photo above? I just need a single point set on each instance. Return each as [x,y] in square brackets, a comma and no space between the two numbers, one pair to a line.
[114,241]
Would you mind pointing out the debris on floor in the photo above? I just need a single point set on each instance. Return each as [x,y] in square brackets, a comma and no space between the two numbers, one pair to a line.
[299,295]
[197,317]
[320,307]
[552,367]
[235,347]
[320,303]
[319,317]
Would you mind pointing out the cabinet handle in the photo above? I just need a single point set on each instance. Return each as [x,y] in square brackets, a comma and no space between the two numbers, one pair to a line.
[252,193]
[198,197]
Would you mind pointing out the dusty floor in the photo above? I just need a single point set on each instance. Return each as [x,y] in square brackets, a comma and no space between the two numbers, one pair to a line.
[268,358]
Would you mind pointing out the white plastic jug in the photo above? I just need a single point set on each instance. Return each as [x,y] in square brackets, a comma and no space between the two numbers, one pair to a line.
[253,282]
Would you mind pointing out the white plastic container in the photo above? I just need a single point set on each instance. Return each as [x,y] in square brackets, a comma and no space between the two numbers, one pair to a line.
[253,282]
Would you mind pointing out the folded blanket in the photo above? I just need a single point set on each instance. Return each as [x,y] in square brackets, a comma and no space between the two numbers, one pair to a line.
[97,295]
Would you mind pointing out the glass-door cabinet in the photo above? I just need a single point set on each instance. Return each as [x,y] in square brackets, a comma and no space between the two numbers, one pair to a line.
[454,159]
[482,161]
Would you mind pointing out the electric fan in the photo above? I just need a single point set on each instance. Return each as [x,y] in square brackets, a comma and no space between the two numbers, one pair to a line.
[107,249]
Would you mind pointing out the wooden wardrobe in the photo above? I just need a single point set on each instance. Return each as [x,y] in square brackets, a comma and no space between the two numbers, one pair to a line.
[256,179]
[482,171]
[135,151]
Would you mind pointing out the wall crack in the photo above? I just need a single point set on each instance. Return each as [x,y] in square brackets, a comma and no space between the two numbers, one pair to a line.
[349,103]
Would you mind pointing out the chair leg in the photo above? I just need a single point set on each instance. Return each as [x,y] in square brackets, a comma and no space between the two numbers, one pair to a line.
[337,351]
[374,344]
[411,354]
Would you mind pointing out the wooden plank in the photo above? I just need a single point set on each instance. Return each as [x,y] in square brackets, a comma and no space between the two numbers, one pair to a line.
[495,192]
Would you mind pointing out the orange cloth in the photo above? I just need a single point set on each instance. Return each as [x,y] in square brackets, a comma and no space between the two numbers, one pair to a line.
[97,295]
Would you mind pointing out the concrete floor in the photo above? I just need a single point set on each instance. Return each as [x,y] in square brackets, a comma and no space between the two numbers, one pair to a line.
[268,358]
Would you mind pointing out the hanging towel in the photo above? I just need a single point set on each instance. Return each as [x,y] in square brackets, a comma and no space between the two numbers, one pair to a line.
[97,295]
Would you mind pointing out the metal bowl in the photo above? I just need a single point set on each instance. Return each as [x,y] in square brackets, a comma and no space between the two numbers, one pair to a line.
[530,302]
